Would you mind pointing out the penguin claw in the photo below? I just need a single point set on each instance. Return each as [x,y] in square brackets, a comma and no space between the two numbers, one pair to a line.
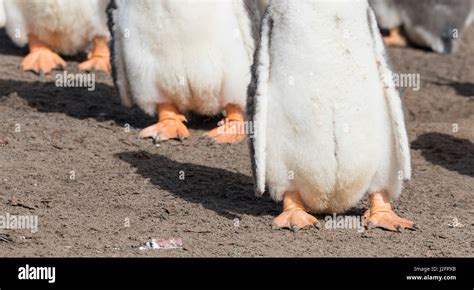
[97,63]
[399,228]
[231,132]
[165,130]
[99,58]
[231,129]
[295,220]
[370,225]
[381,215]
[388,220]
[317,225]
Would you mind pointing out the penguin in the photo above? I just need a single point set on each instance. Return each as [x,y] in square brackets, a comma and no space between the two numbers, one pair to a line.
[66,27]
[3,16]
[327,126]
[434,24]
[195,56]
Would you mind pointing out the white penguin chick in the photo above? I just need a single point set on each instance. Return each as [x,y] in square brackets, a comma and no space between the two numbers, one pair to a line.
[3,16]
[327,128]
[433,24]
[59,26]
[177,56]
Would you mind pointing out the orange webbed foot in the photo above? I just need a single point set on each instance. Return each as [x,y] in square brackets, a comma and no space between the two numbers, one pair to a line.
[99,58]
[41,58]
[98,63]
[294,215]
[231,130]
[381,215]
[170,125]
[395,38]
[295,220]
[165,130]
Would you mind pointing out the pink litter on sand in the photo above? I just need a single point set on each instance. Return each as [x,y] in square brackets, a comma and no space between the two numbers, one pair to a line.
[163,244]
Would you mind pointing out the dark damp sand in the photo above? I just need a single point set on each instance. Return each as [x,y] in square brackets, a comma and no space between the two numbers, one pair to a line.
[120,179]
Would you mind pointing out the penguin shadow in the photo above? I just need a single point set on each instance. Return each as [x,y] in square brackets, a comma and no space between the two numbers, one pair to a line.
[198,122]
[462,89]
[409,43]
[227,193]
[101,104]
[454,154]
[7,47]
[40,92]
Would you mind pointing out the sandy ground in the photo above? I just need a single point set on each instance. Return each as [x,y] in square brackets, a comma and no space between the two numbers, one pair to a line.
[126,191]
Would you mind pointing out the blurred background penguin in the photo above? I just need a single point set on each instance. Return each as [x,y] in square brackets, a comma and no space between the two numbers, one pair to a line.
[434,24]
[66,27]
[3,17]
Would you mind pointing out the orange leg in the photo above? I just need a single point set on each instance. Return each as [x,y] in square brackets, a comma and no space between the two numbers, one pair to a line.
[381,215]
[395,38]
[231,130]
[294,215]
[99,58]
[41,57]
[169,126]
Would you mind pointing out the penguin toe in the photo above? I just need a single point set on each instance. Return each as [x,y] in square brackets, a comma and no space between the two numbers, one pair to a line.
[165,130]
[99,58]
[387,220]
[97,63]
[229,132]
[42,60]
[395,39]
[295,220]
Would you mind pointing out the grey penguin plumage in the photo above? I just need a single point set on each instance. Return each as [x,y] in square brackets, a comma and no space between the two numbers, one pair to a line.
[327,127]
[433,24]
[3,16]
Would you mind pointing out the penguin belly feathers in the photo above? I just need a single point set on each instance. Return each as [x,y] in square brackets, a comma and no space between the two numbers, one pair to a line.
[68,27]
[194,56]
[326,127]
[59,26]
